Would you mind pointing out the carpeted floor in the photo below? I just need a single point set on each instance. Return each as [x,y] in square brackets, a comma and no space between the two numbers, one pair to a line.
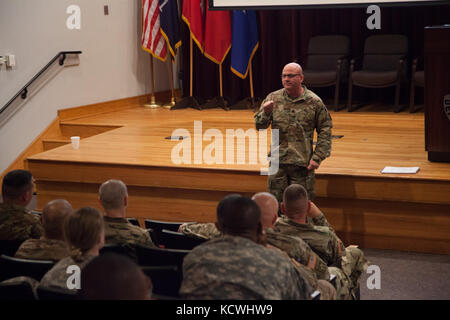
[408,276]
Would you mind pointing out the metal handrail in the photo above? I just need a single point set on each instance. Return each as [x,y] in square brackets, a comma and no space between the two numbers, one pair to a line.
[24,91]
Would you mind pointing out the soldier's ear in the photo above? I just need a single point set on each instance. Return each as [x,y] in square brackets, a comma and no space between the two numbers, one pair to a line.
[125,201]
[309,206]
[283,208]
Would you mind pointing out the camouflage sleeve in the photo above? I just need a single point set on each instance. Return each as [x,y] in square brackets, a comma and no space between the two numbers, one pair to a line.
[323,128]
[36,230]
[200,230]
[262,120]
[145,240]
[321,221]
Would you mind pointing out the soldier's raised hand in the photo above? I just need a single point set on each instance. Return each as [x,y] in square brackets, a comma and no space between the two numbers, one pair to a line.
[268,107]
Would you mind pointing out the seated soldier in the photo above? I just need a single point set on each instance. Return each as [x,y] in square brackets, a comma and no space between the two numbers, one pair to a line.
[112,276]
[238,265]
[303,219]
[114,200]
[16,222]
[310,266]
[83,231]
[51,246]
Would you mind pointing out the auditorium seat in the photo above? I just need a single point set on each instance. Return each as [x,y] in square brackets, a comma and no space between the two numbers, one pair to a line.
[47,293]
[16,291]
[134,221]
[166,281]
[176,240]
[383,65]
[160,257]
[126,249]
[417,80]
[327,63]
[157,226]
[9,247]
[13,267]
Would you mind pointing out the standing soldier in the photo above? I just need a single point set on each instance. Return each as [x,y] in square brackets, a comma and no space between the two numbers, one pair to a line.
[296,111]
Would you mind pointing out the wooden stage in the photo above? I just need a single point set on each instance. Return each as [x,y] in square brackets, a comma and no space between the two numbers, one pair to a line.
[401,212]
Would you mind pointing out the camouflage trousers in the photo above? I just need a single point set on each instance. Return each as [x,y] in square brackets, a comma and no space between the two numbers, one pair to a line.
[288,174]
[347,277]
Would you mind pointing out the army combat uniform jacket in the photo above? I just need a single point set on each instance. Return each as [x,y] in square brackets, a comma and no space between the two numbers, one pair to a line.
[296,120]
[236,268]
[119,230]
[17,223]
[43,249]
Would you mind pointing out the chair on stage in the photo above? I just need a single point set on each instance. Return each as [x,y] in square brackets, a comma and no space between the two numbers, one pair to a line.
[166,281]
[383,65]
[14,267]
[417,80]
[327,63]
[176,240]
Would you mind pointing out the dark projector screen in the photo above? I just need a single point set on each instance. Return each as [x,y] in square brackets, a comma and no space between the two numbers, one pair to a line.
[273,4]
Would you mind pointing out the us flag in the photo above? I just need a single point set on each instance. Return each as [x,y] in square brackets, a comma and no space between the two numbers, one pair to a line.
[152,39]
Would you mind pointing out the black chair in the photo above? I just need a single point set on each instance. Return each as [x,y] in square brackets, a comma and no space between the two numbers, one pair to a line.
[166,281]
[160,257]
[126,249]
[176,240]
[417,80]
[134,221]
[157,226]
[17,291]
[14,267]
[47,293]
[327,63]
[9,247]
[383,65]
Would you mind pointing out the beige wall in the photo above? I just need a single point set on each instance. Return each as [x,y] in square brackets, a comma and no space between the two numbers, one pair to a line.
[112,65]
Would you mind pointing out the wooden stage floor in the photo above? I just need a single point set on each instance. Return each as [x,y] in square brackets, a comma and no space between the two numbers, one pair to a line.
[402,212]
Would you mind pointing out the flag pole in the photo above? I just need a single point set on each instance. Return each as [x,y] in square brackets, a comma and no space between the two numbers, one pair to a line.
[191,67]
[152,103]
[220,81]
[252,96]
[172,100]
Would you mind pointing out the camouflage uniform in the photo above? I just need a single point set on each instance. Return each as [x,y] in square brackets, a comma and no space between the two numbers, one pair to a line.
[17,223]
[119,230]
[296,120]
[43,249]
[57,276]
[346,263]
[295,247]
[237,268]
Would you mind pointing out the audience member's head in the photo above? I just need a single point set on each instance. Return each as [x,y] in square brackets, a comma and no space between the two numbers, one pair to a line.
[53,216]
[295,202]
[239,216]
[114,198]
[112,276]
[17,188]
[268,205]
[83,230]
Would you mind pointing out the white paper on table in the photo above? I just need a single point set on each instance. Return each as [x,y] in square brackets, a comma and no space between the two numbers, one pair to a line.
[400,170]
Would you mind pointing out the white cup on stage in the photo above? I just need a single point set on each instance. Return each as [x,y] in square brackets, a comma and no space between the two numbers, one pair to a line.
[75,142]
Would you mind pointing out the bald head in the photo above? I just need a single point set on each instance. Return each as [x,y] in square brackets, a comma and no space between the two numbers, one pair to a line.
[292,79]
[268,205]
[113,194]
[238,216]
[53,216]
[295,201]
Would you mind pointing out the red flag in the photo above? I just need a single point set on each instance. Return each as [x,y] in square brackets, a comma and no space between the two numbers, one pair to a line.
[193,16]
[152,39]
[217,35]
